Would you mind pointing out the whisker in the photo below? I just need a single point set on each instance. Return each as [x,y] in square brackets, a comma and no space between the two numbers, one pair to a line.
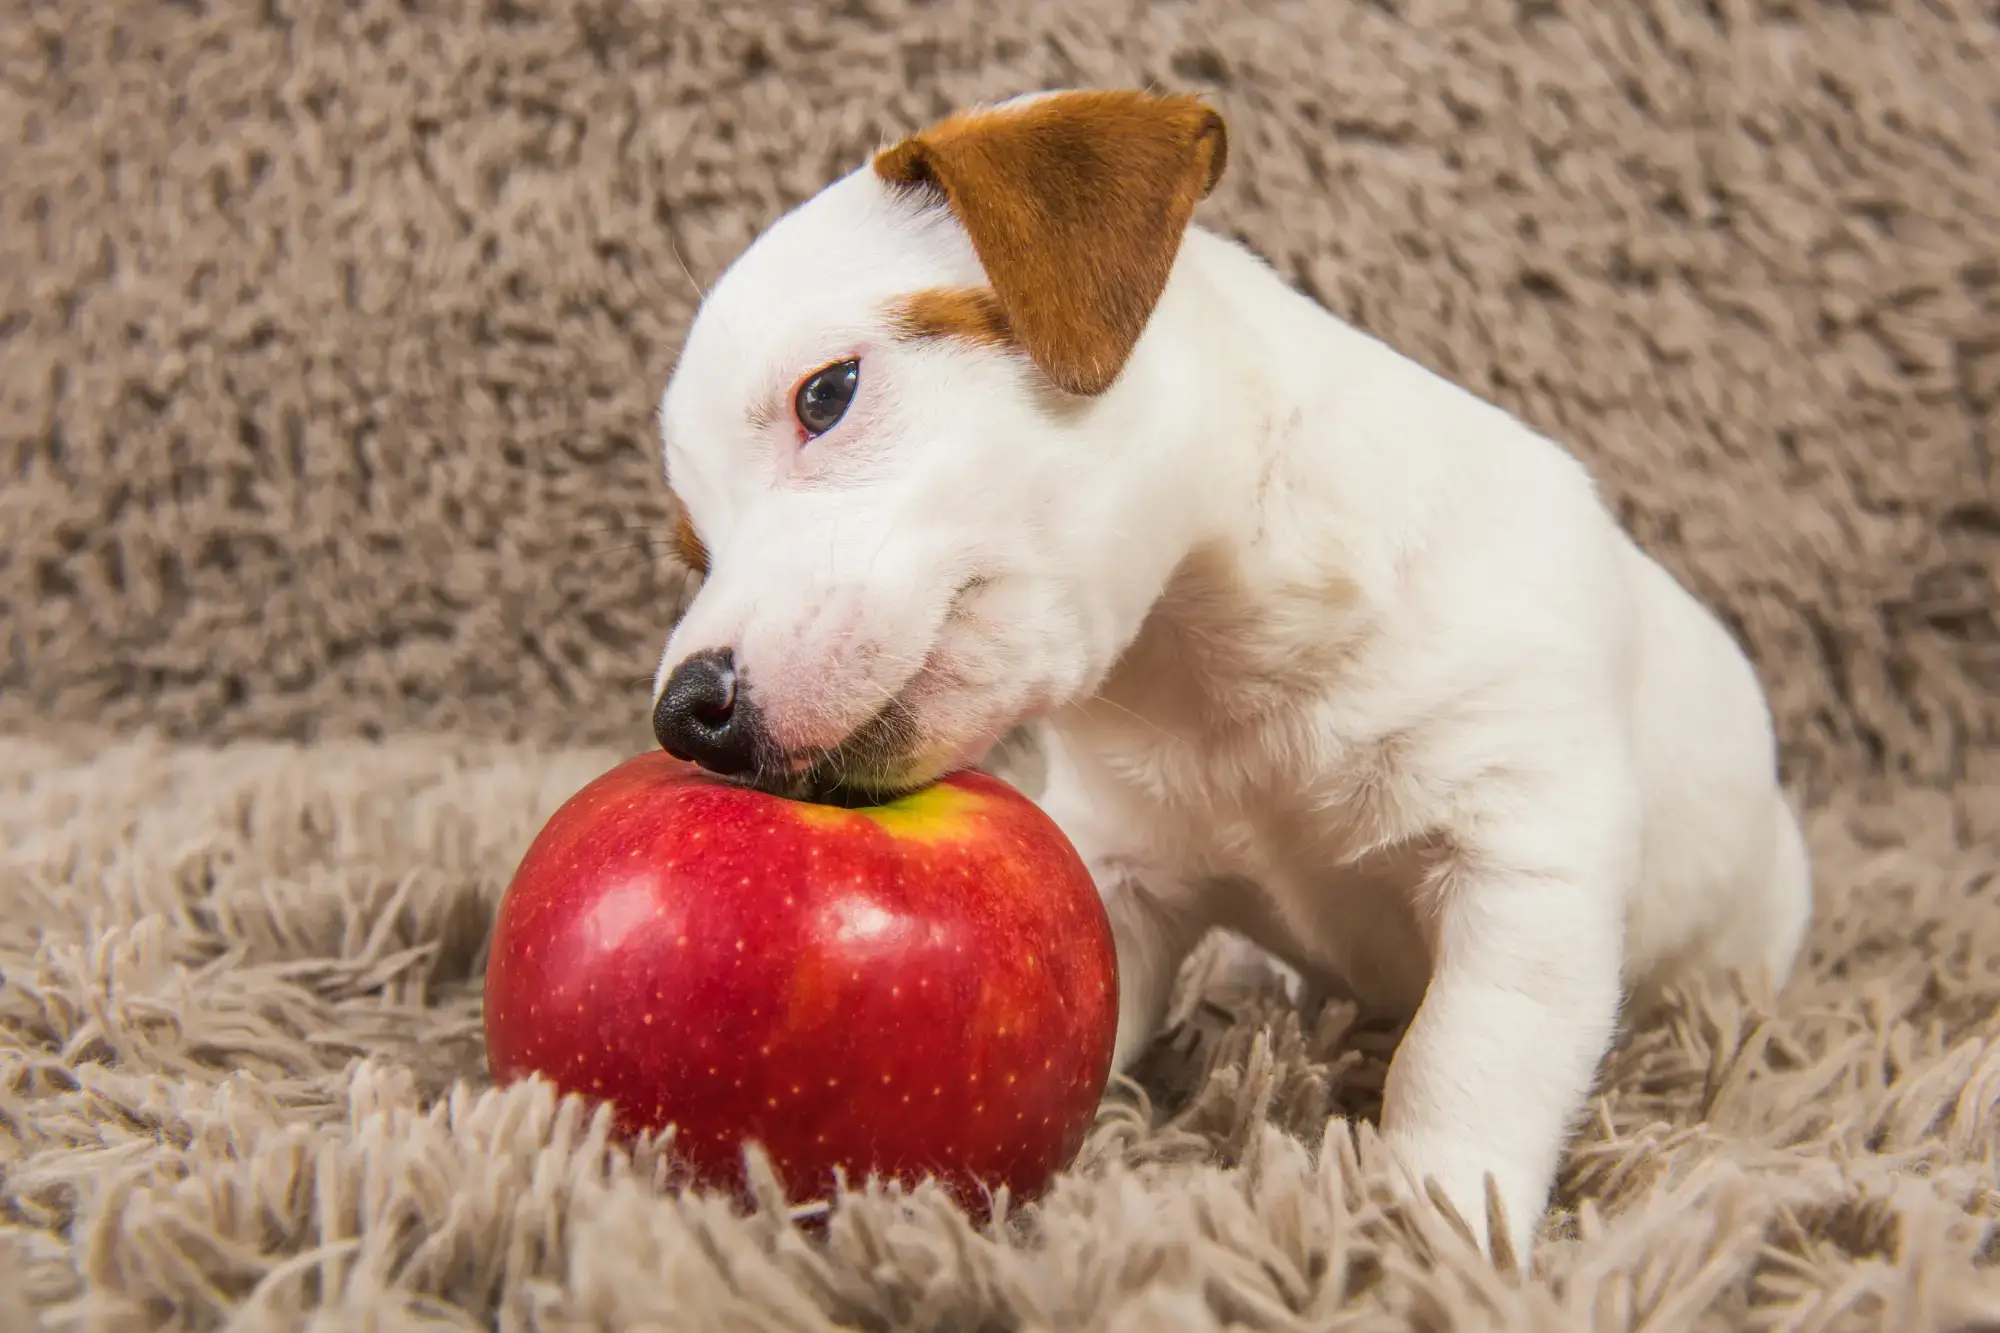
[617,529]
[632,542]
[674,245]
[1135,716]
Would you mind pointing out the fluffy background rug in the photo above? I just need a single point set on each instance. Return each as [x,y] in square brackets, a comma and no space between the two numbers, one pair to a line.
[330,561]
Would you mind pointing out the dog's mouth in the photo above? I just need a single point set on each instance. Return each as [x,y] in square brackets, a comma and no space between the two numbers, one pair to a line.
[889,756]
[873,766]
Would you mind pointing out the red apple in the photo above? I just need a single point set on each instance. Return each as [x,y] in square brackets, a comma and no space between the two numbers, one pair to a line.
[921,988]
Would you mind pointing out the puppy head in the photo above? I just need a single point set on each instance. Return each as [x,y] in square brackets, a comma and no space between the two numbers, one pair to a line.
[900,438]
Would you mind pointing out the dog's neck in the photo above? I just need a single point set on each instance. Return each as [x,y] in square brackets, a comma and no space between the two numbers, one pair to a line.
[1260,505]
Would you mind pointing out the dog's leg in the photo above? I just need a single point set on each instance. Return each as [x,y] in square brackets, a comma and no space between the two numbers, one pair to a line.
[1521,1008]
[1154,936]
[1156,920]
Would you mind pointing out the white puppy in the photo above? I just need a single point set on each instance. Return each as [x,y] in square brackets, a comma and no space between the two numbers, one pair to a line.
[1332,653]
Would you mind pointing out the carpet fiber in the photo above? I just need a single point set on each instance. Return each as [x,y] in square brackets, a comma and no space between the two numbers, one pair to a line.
[331,560]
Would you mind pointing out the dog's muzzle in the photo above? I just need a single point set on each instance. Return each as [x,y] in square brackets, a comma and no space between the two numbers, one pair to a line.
[704,716]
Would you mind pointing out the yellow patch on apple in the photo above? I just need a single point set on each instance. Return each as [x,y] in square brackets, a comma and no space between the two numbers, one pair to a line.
[934,814]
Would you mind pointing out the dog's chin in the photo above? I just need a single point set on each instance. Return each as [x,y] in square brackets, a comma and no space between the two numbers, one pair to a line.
[869,769]
[852,790]
[866,772]
[829,779]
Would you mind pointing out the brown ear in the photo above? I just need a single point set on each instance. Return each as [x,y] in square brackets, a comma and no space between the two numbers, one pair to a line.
[1076,204]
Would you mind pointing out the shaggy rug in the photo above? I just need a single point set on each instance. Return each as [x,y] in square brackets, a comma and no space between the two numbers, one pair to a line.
[331,561]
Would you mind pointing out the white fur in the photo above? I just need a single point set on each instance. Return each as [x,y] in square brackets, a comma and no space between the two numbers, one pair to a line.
[1332,654]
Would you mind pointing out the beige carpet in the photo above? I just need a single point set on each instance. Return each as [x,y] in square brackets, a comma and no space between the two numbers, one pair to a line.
[329,337]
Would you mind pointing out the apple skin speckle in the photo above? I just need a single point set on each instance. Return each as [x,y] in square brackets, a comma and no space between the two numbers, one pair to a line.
[797,971]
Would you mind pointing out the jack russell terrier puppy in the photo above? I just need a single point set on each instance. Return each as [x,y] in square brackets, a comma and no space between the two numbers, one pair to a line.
[1329,652]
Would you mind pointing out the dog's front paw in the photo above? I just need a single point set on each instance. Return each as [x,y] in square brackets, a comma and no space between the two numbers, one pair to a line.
[1501,1207]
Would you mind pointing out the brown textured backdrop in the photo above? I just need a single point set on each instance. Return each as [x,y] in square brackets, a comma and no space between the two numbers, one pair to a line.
[329,338]
[332,332]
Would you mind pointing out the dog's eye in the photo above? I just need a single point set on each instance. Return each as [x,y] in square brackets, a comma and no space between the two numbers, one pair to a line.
[822,400]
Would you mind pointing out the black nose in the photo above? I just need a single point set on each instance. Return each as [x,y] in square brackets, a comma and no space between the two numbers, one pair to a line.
[699,717]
